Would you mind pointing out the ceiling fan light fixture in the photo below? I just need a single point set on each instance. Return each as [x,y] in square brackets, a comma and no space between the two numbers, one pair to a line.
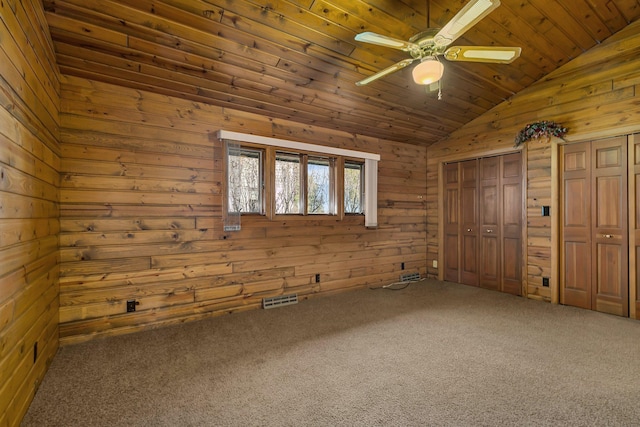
[428,71]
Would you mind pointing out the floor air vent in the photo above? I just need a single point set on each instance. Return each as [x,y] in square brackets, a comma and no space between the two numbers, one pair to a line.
[409,277]
[279,301]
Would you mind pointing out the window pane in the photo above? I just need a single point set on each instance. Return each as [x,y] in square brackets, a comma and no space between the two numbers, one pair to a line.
[288,184]
[353,187]
[318,184]
[245,180]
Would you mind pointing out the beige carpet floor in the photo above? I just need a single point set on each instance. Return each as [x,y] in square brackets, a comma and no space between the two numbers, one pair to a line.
[434,354]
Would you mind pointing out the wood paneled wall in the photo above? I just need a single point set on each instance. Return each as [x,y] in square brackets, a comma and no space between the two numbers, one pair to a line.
[595,95]
[141,216]
[29,224]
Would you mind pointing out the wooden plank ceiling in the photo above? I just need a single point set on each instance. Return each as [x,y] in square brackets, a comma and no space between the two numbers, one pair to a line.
[297,59]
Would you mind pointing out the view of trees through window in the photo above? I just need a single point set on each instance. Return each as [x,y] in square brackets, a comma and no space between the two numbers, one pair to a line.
[288,184]
[353,187]
[246,177]
[318,181]
[245,180]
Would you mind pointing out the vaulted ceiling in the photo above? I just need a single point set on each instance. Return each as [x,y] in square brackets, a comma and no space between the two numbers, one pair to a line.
[297,59]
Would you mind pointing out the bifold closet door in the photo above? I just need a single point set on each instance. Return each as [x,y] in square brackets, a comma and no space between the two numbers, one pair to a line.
[483,222]
[594,263]
[490,228]
[576,226]
[501,223]
[511,221]
[461,222]
[469,271]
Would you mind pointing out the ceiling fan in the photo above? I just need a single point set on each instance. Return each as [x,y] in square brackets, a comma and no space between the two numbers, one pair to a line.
[428,45]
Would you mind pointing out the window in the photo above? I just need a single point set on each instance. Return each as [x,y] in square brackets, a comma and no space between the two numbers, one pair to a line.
[353,187]
[244,185]
[320,177]
[288,190]
[279,177]
[304,184]
[292,196]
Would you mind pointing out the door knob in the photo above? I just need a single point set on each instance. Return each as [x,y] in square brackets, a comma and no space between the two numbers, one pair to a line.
[469,230]
[607,236]
[489,231]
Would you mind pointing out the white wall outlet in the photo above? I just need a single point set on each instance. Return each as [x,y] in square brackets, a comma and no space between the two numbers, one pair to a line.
[435,263]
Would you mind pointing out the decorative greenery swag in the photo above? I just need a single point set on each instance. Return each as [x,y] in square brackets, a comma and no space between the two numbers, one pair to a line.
[538,130]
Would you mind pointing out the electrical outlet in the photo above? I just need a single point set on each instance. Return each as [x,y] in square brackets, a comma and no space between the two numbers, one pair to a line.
[131,305]
[318,278]
[545,282]
[402,266]
[434,263]
[35,351]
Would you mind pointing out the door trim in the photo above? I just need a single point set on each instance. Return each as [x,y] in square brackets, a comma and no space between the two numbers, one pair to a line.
[554,280]
[631,218]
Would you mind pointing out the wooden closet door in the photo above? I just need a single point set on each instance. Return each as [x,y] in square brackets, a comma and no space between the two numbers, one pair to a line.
[460,222]
[451,176]
[576,225]
[490,225]
[595,248]
[469,219]
[610,249]
[511,191]
[482,222]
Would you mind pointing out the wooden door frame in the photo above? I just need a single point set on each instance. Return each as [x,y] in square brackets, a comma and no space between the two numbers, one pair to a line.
[459,157]
[554,280]
[631,188]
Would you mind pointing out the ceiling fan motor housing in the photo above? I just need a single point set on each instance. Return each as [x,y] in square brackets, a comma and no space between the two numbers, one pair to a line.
[424,45]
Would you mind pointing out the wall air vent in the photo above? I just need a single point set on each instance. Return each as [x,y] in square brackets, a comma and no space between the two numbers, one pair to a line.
[279,301]
[410,277]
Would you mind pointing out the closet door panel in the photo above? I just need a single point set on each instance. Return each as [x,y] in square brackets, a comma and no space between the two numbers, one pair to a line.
[490,235]
[451,265]
[489,266]
[451,222]
[511,269]
[512,206]
[610,229]
[469,229]
[576,226]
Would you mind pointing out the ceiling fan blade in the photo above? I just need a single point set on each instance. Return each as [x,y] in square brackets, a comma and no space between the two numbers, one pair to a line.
[494,54]
[381,40]
[469,16]
[395,67]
